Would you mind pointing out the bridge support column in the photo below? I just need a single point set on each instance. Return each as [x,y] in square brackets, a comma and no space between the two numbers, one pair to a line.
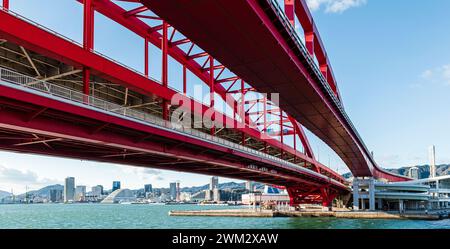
[289,9]
[165,66]
[88,39]
[380,203]
[146,56]
[372,194]
[355,194]
[6,4]
[309,42]
[211,92]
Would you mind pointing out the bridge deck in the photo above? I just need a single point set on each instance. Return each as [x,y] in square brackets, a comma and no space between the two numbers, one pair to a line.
[37,113]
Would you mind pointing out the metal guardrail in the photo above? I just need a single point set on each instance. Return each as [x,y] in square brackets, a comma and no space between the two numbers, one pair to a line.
[280,13]
[93,51]
[60,93]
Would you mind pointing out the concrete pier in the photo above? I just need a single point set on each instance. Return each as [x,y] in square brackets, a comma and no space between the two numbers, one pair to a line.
[336,214]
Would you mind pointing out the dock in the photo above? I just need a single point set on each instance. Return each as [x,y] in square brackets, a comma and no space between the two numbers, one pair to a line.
[315,213]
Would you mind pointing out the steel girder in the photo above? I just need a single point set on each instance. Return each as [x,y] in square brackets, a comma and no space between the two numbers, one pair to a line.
[163,92]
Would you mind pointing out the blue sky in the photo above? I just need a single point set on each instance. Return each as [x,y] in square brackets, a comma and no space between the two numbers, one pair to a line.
[391,60]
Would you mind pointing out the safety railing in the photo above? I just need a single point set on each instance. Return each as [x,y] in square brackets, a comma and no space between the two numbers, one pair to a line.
[25,82]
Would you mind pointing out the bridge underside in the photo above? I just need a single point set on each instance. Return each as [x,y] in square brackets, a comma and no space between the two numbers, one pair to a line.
[58,129]
[256,45]
[33,123]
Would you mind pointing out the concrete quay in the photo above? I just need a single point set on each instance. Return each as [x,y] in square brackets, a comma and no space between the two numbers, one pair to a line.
[315,213]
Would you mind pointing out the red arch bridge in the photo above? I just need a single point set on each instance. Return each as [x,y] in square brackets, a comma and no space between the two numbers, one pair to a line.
[62,98]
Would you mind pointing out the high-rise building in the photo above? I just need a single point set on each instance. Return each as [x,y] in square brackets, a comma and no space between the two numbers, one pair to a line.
[156,192]
[413,173]
[56,195]
[178,192]
[216,195]
[80,193]
[69,189]
[148,188]
[432,162]
[116,185]
[214,183]
[97,191]
[249,186]
[173,191]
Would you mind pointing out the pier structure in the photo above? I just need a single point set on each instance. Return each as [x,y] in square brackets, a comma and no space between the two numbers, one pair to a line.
[417,195]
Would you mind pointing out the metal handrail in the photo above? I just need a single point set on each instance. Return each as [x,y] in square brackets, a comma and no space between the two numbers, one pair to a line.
[22,82]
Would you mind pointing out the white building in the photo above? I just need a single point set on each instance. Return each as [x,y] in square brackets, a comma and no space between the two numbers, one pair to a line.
[120,196]
[413,173]
[424,194]
[184,196]
[80,193]
[97,191]
[270,194]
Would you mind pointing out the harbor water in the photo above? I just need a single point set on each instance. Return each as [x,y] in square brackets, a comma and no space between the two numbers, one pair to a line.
[112,216]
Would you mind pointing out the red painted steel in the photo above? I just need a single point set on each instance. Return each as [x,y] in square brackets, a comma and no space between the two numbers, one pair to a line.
[246,28]
[55,47]
[246,65]
[232,163]
[5,4]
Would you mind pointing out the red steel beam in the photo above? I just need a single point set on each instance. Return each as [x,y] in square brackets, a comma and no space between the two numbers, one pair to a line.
[48,44]
[88,39]
[66,130]
[6,4]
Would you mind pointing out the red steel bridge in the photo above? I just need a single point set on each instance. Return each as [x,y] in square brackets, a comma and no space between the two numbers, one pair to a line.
[62,98]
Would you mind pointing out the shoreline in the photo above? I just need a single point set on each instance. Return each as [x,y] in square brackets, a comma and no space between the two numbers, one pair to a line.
[314,214]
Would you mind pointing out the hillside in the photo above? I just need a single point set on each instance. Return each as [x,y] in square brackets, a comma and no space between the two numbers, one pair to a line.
[424,171]
[226,185]
[43,192]
[3,194]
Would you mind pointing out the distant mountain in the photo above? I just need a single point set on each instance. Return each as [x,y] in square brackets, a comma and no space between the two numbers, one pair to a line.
[226,185]
[43,192]
[424,171]
[4,194]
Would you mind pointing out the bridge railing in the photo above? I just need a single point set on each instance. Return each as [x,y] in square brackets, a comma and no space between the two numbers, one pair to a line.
[19,16]
[27,83]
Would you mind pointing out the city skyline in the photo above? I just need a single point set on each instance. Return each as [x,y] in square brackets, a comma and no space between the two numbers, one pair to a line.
[361,86]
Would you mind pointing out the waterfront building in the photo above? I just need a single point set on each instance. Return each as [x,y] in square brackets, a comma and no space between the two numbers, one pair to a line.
[148,188]
[424,194]
[97,191]
[214,183]
[56,195]
[178,192]
[432,156]
[413,173]
[115,186]
[199,196]
[259,198]
[216,195]
[173,190]
[157,192]
[80,193]
[120,196]
[69,189]
[184,196]
[249,186]
[208,195]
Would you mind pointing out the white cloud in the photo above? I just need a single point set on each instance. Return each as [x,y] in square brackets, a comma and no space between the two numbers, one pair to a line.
[440,75]
[27,177]
[144,173]
[334,6]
